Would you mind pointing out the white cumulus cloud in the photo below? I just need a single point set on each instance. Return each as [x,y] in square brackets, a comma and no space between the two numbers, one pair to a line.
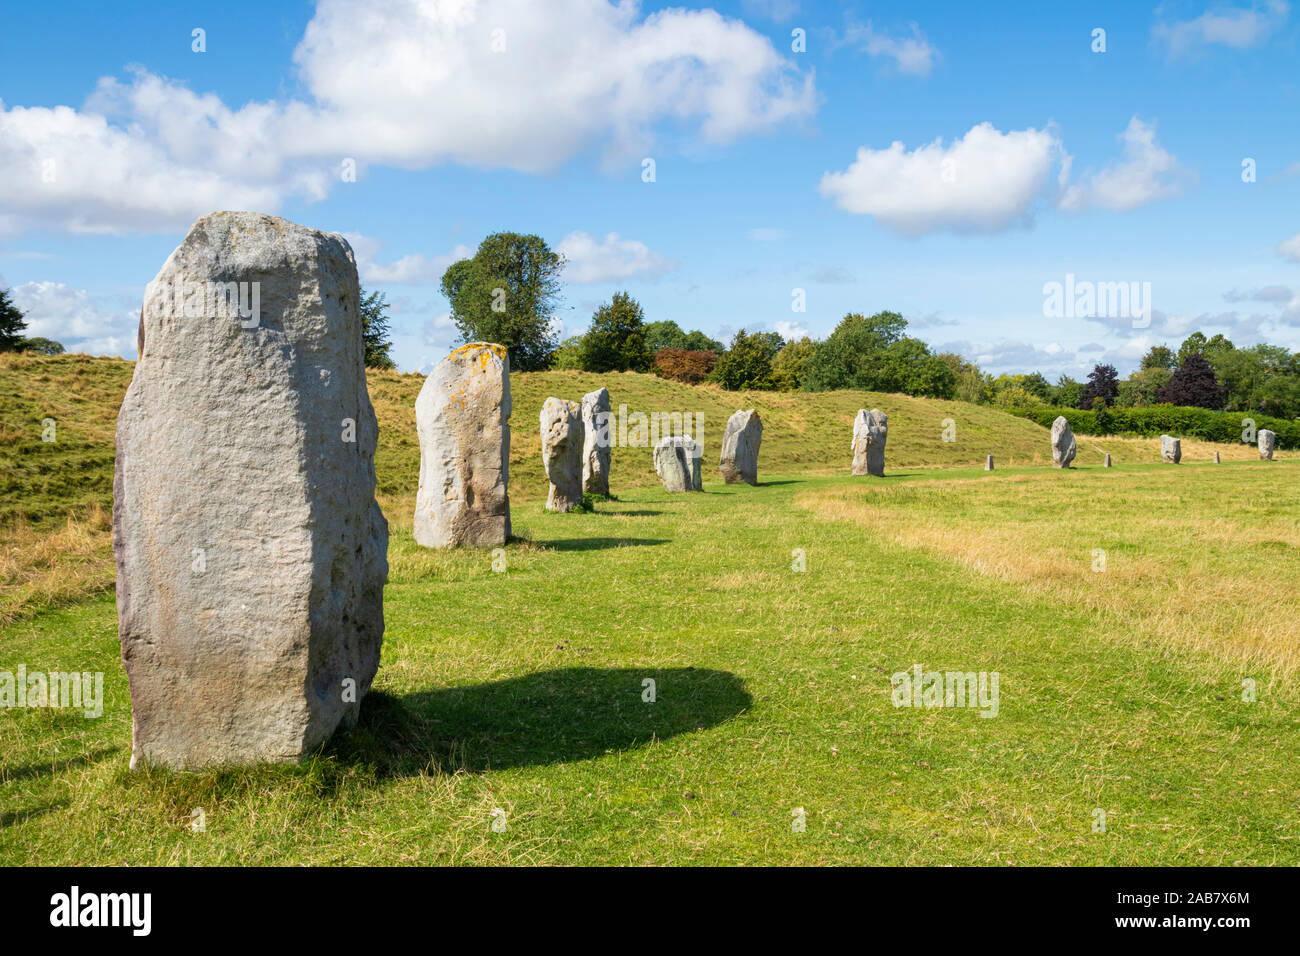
[1146,173]
[1237,27]
[73,317]
[984,181]
[911,54]
[610,259]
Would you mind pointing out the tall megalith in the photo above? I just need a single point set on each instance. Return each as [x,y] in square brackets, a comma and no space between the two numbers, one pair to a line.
[596,442]
[561,427]
[251,553]
[740,443]
[870,430]
[462,418]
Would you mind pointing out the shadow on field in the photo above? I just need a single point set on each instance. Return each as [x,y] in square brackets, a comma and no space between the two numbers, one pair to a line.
[553,716]
[597,544]
[48,768]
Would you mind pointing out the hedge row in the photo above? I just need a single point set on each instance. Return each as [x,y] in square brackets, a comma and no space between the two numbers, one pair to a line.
[1176,420]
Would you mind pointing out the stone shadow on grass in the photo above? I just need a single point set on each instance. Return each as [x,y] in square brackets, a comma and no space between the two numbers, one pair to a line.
[595,544]
[553,716]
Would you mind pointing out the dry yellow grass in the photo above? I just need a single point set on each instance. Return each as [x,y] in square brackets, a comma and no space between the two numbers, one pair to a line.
[39,568]
[1199,558]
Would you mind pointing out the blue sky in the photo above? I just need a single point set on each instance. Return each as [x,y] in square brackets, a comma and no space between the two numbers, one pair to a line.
[1022,156]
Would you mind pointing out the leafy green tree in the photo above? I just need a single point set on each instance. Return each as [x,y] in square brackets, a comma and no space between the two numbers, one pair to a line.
[665,334]
[747,363]
[1159,356]
[1016,396]
[1142,387]
[1033,382]
[507,293]
[616,340]
[374,330]
[1194,384]
[1194,344]
[847,356]
[697,341]
[42,346]
[568,355]
[1103,385]
[790,365]
[1067,393]
[972,385]
[11,324]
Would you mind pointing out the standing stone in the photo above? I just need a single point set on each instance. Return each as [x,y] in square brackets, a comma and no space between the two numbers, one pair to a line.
[677,461]
[462,418]
[1107,462]
[561,423]
[988,464]
[1171,450]
[595,442]
[1216,458]
[251,553]
[1267,443]
[740,441]
[1063,444]
[870,429]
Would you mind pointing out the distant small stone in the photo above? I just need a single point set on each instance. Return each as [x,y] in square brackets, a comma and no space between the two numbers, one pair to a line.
[561,426]
[988,464]
[1171,449]
[1107,462]
[677,462]
[1064,447]
[1217,460]
[740,442]
[870,431]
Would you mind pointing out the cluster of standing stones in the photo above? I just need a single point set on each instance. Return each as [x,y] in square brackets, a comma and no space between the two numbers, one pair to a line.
[251,552]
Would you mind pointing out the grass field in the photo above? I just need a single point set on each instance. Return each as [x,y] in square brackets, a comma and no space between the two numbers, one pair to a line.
[1124,610]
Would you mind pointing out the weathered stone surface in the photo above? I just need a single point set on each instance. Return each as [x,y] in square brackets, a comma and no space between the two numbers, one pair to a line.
[1063,444]
[596,442]
[677,462]
[1216,458]
[1107,462]
[461,417]
[740,442]
[251,554]
[870,430]
[988,463]
[1267,444]
[561,424]
[1171,449]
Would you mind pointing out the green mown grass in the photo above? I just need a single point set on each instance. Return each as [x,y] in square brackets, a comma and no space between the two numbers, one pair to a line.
[522,691]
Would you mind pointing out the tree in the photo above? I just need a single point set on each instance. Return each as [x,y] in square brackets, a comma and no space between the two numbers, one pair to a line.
[507,293]
[972,385]
[40,346]
[1194,384]
[374,330]
[790,365]
[1103,384]
[616,340]
[747,363]
[1142,388]
[700,342]
[667,334]
[846,357]
[1067,393]
[1160,356]
[684,365]
[1194,344]
[11,324]
[568,355]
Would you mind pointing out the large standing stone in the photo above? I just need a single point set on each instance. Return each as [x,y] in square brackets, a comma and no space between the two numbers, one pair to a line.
[870,429]
[561,424]
[677,462]
[462,418]
[1171,449]
[1064,447]
[595,442]
[1267,443]
[740,442]
[251,554]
